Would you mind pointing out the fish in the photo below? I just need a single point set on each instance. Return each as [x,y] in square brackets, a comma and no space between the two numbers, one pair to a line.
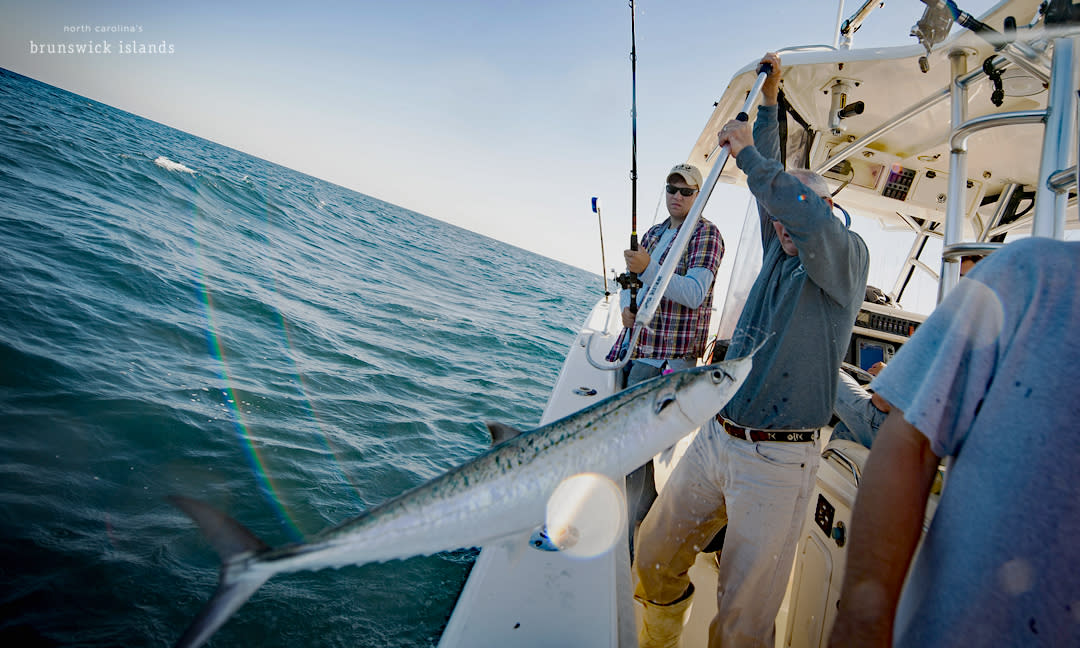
[495,497]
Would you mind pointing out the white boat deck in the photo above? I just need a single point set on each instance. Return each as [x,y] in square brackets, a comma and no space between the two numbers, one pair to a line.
[523,597]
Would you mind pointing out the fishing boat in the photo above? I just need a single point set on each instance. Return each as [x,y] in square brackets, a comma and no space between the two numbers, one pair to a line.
[959,142]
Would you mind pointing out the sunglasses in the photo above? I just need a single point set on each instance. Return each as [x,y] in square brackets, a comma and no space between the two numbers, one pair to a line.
[686,191]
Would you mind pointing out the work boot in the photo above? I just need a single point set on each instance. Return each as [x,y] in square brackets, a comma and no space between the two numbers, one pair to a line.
[662,625]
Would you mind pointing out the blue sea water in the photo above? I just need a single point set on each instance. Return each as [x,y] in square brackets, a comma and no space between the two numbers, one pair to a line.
[178,317]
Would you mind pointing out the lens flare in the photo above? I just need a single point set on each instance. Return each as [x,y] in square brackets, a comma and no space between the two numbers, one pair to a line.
[586,515]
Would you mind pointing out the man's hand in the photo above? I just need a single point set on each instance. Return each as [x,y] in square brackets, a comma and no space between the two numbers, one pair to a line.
[636,260]
[771,90]
[877,401]
[628,317]
[738,135]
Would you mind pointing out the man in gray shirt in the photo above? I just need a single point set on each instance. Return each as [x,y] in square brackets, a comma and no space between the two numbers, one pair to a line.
[753,467]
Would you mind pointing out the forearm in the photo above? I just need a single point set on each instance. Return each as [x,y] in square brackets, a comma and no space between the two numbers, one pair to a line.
[885,530]
[767,132]
[689,289]
[751,161]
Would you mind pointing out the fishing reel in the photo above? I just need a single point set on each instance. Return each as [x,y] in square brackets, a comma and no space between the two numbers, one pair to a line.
[932,28]
[629,281]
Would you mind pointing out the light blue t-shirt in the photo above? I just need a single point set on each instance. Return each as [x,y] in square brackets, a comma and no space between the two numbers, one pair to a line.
[992,379]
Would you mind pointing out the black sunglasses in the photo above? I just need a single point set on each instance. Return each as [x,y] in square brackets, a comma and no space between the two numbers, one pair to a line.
[686,191]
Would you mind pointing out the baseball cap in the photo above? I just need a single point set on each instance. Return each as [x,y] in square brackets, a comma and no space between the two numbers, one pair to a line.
[689,174]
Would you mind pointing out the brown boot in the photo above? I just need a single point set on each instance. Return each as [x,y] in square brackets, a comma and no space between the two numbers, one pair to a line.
[662,624]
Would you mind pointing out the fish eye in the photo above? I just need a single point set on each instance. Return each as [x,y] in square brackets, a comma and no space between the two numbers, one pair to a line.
[719,376]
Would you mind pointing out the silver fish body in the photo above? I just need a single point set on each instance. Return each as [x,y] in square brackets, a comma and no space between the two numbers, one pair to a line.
[502,492]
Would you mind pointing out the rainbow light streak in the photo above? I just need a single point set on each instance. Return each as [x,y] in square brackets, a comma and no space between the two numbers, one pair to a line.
[213,340]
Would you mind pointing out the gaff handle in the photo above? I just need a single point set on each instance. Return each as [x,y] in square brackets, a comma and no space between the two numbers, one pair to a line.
[766,69]
[660,283]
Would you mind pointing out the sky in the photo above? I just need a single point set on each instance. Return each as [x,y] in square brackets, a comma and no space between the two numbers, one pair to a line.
[502,117]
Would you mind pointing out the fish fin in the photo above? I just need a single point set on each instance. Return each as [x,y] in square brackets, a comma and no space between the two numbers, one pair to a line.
[501,432]
[237,581]
[228,536]
[227,599]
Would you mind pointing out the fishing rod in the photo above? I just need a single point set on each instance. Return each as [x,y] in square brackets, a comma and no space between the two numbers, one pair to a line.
[629,280]
[675,251]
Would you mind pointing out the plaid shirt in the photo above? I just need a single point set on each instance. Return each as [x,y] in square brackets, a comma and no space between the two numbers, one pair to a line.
[677,331]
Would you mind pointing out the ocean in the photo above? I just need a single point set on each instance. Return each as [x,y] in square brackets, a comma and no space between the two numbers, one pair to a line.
[177,317]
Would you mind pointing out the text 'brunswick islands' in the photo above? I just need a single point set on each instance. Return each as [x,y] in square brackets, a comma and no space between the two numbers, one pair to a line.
[103,47]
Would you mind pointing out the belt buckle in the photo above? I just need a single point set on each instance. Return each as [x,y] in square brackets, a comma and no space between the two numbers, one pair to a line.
[743,432]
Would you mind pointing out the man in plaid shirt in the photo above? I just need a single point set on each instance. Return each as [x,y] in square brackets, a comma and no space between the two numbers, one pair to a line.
[675,338]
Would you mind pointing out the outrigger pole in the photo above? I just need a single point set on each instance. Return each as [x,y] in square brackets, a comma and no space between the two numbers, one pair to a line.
[603,261]
[629,280]
[675,251]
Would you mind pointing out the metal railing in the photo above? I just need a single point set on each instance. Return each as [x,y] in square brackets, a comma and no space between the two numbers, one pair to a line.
[1060,131]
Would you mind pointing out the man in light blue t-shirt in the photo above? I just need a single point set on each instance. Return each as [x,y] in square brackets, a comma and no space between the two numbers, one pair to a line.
[990,380]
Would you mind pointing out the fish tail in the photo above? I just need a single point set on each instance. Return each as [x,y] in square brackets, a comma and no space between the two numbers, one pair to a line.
[237,581]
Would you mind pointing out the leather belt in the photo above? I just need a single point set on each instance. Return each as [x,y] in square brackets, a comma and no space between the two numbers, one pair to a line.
[748,434]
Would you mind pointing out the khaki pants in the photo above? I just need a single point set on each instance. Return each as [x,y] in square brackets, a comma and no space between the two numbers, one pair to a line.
[761,490]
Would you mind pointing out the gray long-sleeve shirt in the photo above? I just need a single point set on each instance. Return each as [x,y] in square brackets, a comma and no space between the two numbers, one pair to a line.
[804,306]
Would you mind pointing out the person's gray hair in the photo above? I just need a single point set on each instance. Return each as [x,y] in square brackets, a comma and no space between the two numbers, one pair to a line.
[813,182]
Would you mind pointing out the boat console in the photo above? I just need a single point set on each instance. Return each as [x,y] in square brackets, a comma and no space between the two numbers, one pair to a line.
[879,332]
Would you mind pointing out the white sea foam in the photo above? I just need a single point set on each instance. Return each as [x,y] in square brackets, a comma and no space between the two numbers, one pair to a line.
[166,163]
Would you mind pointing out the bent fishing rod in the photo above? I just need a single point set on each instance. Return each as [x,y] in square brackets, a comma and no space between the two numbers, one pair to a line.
[660,283]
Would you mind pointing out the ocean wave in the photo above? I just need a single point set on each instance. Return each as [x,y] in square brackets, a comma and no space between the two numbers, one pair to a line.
[166,163]
[284,347]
